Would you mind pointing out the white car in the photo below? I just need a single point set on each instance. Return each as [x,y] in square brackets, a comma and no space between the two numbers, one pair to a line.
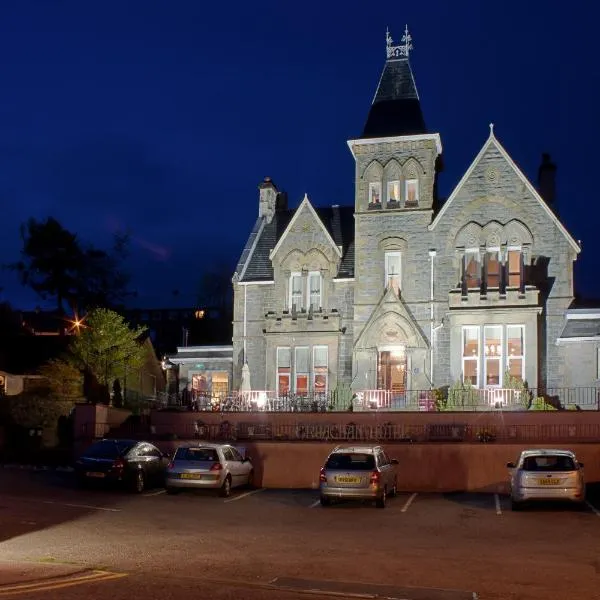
[546,475]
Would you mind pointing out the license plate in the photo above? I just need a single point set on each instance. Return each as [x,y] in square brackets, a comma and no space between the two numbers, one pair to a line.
[347,479]
[95,474]
[190,476]
[549,481]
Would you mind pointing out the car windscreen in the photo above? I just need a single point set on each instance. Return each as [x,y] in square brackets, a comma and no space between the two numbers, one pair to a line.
[549,463]
[109,449]
[351,462]
[197,454]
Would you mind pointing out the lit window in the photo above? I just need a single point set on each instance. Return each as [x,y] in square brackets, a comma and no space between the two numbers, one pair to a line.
[301,370]
[375,193]
[320,367]
[412,192]
[393,191]
[492,348]
[296,291]
[515,363]
[284,370]
[470,355]
[472,269]
[314,289]
[392,270]
[199,314]
[514,268]
[492,269]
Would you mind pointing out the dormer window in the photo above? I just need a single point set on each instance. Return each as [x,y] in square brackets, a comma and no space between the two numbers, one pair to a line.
[314,290]
[393,191]
[296,291]
[375,193]
[411,192]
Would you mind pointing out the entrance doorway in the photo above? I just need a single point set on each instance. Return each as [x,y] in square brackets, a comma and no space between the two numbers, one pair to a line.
[391,371]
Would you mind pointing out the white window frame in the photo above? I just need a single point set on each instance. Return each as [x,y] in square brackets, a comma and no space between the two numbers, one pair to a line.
[390,186]
[277,367]
[316,367]
[499,358]
[314,305]
[374,185]
[292,296]
[476,358]
[520,356]
[297,372]
[387,274]
[407,184]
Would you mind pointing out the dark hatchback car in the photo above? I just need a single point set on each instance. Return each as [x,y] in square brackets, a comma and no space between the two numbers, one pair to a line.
[132,464]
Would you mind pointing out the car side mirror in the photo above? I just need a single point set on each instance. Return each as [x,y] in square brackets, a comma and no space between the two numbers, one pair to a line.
[510,465]
[394,461]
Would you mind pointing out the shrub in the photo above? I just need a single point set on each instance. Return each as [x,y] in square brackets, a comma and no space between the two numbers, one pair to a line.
[462,396]
[540,403]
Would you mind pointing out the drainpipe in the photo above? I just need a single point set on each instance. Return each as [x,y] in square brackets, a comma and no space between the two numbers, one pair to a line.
[245,298]
[432,254]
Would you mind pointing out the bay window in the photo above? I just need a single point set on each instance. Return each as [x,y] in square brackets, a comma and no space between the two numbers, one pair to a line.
[393,191]
[284,370]
[314,289]
[320,368]
[296,300]
[301,370]
[411,189]
[492,348]
[392,270]
[375,192]
[515,352]
[470,355]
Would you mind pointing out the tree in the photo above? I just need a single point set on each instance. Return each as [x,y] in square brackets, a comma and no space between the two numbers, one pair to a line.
[55,264]
[65,380]
[107,347]
[35,410]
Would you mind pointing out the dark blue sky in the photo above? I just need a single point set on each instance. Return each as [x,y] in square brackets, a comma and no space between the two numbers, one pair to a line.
[161,117]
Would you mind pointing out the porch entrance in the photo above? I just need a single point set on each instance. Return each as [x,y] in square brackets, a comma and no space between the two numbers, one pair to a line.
[391,371]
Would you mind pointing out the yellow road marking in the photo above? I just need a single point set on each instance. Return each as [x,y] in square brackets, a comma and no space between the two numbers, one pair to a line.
[41,586]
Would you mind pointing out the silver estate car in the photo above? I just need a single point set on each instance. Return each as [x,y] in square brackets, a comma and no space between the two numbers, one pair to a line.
[358,472]
[546,475]
[208,466]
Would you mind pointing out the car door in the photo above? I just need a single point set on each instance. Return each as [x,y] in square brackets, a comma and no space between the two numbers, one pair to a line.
[233,465]
[243,466]
[158,463]
[149,458]
[386,470]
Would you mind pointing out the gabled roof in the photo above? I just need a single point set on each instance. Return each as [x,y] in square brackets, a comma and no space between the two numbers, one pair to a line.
[306,204]
[255,264]
[493,141]
[396,109]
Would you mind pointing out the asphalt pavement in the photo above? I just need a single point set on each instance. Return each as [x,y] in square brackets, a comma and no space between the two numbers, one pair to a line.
[57,541]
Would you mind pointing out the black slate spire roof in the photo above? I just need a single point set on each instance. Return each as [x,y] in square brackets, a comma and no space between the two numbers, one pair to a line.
[396,109]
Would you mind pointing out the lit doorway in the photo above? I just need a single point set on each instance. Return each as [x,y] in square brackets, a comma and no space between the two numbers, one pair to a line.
[391,371]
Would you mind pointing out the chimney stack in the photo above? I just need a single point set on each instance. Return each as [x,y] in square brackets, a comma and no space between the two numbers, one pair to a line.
[267,199]
[547,180]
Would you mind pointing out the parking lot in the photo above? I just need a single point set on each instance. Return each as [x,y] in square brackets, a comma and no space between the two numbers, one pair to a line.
[458,541]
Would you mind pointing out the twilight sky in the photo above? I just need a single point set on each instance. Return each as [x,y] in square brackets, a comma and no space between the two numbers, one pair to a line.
[161,117]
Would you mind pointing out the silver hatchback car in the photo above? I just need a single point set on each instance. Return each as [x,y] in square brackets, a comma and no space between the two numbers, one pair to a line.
[358,472]
[546,475]
[208,466]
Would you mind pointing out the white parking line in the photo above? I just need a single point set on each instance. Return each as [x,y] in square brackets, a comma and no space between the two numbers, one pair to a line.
[315,504]
[594,509]
[498,508]
[244,495]
[408,502]
[157,493]
[89,506]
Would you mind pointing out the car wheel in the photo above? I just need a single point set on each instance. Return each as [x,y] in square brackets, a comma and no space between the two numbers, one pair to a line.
[172,491]
[139,482]
[380,502]
[394,490]
[226,488]
[325,501]
[251,479]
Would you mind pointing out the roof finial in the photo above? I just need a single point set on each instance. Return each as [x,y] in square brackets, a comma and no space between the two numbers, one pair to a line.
[491,130]
[402,50]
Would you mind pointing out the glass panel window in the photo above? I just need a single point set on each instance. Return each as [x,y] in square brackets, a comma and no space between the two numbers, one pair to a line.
[393,191]
[296,291]
[320,367]
[514,268]
[492,269]
[472,269]
[470,355]
[301,370]
[515,351]
[375,193]
[314,289]
[412,191]
[284,368]
[392,270]
[492,349]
